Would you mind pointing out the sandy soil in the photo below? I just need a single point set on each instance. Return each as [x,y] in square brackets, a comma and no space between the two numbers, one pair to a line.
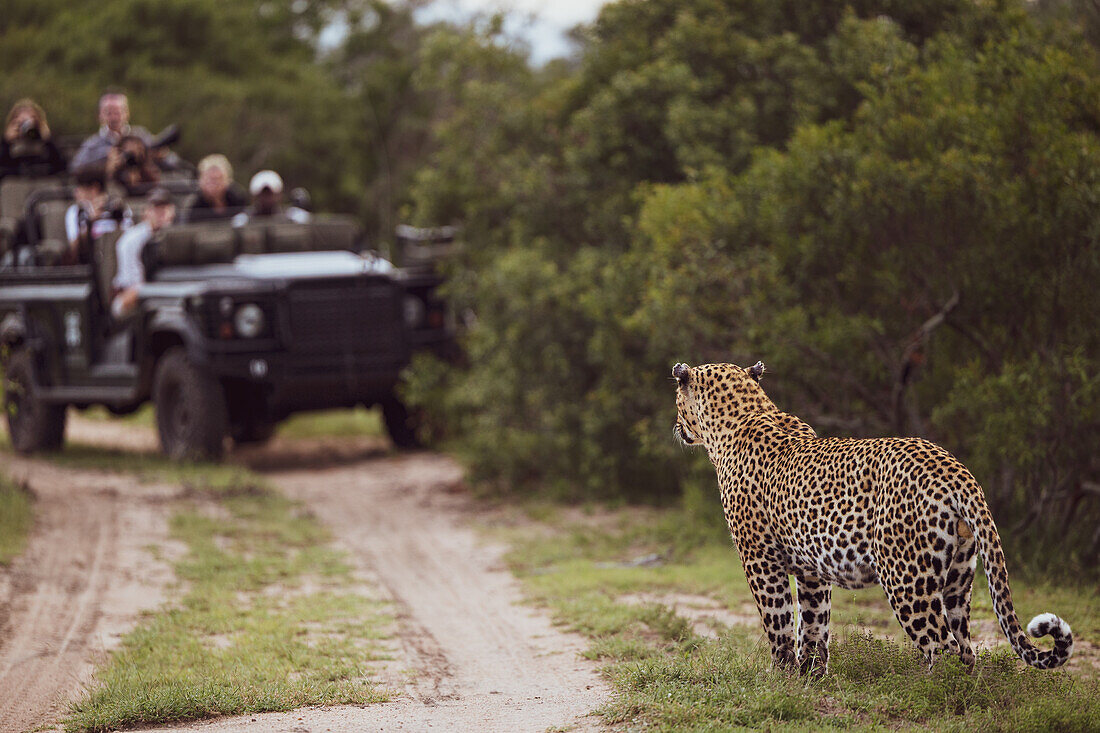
[86,575]
[470,655]
[473,658]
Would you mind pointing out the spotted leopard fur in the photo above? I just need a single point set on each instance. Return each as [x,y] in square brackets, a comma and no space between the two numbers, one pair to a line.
[902,512]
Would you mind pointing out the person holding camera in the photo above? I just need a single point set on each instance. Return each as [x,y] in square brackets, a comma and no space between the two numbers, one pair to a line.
[27,148]
[91,216]
[159,212]
[130,164]
[114,124]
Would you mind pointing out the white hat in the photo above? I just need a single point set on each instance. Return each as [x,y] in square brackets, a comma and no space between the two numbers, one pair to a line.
[265,179]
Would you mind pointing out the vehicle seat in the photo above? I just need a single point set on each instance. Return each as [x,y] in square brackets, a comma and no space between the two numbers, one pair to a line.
[195,244]
[14,191]
[214,244]
[51,216]
[106,265]
[333,233]
[53,241]
[288,237]
[252,239]
[175,246]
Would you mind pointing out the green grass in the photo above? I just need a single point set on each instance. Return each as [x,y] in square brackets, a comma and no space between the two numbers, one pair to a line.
[667,677]
[319,424]
[263,618]
[144,415]
[358,421]
[729,682]
[16,518]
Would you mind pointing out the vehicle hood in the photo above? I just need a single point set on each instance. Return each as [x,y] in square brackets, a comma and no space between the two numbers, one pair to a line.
[281,267]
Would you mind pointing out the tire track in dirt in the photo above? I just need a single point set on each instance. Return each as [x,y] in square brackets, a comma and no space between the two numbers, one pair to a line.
[472,656]
[80,584]
[481,660]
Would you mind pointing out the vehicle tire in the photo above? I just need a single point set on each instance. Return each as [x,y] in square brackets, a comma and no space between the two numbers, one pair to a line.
[190,405]
[253,432]
[400,423]
[33,425]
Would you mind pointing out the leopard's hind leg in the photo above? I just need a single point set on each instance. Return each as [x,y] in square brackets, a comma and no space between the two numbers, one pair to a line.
[958,582]
[917,599]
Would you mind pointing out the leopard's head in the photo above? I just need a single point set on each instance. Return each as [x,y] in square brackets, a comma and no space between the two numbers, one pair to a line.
[714,398]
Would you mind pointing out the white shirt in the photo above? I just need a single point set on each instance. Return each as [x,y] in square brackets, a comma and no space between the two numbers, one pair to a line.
[130,270]
[99,226]
[291,213]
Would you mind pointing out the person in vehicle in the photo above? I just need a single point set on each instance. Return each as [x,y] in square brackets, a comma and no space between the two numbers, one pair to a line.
[130,164]
[219,195]
[266,188]
[27,147]
[114,121]
[91,216]
[159,213]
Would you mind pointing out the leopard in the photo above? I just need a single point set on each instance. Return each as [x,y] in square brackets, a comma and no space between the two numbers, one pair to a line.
[900,512]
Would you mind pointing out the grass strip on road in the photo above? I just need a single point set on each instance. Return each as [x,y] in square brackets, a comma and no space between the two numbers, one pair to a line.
[606,575]
[265,616]
[16,519]
[341,422]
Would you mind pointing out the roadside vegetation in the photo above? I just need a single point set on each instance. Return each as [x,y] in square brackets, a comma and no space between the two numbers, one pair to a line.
[893,205]
[16,518]
[262,617]
[629,580]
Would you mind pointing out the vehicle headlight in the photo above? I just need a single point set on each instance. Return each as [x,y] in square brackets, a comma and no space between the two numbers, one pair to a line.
[249,320]
[414,311]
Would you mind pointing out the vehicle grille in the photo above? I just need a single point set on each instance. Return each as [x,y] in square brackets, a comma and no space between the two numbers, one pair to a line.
[361,320]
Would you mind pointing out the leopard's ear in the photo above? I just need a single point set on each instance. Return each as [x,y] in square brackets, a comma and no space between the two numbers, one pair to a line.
[756,370]
[681,373]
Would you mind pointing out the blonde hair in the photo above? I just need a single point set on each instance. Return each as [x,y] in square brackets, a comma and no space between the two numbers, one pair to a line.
[216,160]
[28,103]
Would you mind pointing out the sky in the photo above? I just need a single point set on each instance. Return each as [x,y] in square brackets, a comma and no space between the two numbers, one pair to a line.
[542,23]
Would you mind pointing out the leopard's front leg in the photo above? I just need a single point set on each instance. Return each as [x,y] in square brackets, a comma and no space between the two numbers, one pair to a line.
[771,587]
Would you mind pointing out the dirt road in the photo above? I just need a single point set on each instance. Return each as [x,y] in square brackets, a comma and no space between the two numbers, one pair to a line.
[472,656]
[83,579]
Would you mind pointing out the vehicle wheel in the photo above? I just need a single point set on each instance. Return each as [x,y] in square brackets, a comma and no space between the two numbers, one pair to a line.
[33,425]
[400,423]
[253,432]
[191,412]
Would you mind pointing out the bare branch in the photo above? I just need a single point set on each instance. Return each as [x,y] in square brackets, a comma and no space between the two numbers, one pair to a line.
[974,338]
[917,344]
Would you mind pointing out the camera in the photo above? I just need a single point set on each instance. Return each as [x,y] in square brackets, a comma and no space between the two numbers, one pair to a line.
[114,209]
[131,160]
[28,130]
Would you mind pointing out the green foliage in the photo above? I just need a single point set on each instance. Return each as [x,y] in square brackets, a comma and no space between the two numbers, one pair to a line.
[893,205]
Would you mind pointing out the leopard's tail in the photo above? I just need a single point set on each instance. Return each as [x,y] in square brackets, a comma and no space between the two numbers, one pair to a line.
[975,512]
